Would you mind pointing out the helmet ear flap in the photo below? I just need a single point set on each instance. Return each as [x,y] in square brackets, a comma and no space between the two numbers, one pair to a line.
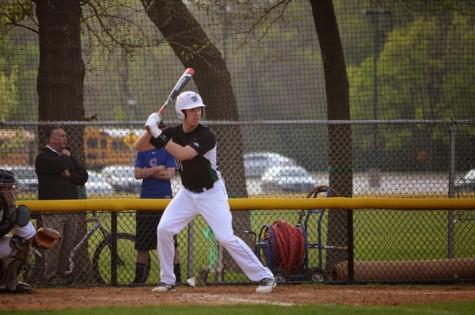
[183,114]
[180,114]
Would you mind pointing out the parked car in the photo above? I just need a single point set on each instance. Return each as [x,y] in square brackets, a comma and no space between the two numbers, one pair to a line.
[26,177]
[256,163]
[467,182]
[121,177]
[287,179]
[97,184]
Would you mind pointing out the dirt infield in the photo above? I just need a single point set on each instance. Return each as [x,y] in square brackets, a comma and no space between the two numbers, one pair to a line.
[59,298]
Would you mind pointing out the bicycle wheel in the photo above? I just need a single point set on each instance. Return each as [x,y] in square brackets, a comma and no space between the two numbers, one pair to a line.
[101,261]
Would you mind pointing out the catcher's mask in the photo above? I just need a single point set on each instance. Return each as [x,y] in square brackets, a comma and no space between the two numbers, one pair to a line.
[8,187]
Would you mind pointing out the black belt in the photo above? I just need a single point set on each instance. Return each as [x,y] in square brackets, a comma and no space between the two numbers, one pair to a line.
[200,189]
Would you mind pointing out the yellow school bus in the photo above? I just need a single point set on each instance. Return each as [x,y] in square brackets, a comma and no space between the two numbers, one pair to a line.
[102,146]
[109,146]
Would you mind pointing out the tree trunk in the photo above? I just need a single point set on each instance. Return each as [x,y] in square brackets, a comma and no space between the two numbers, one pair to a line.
[194,49]
[213,80]
[340,151]
[61,78]
[61,70]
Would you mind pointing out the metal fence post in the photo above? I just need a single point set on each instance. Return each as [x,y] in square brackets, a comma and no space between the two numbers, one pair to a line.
[451,214]
[191,237]
[113,248]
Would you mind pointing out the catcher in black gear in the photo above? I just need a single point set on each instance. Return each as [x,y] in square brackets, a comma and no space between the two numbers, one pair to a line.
[14,249]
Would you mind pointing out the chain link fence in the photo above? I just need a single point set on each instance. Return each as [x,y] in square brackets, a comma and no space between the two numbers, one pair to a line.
[281,159]
[409,67]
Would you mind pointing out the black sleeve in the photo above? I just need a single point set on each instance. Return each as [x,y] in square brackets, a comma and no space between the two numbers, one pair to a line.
[78,174]
[204,141]
[46,163]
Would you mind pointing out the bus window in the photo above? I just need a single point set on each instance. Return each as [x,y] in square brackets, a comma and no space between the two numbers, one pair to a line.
[103,143]
[92,143]
[118,145]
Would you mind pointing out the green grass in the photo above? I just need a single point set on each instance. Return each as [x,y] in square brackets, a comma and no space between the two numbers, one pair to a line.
[379,235]
[409,235]
[460,308]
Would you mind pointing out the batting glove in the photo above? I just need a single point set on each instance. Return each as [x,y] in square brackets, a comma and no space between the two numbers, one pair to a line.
[152,124]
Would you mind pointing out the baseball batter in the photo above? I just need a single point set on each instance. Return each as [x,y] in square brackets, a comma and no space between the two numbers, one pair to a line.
[203,192]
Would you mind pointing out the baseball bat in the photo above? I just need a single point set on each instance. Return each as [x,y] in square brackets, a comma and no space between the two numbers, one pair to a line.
[186,76]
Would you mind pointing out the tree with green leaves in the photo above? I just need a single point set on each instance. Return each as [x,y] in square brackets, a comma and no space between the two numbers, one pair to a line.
[439,44]
[8,92]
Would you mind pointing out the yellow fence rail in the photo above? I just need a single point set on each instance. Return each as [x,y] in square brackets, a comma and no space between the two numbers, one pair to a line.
[257,204]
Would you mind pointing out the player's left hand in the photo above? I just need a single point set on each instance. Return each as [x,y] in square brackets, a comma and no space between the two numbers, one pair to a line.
[46,238]
[153,119]
[152,124]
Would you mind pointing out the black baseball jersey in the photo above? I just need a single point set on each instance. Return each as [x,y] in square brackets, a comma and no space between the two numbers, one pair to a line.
[202,170]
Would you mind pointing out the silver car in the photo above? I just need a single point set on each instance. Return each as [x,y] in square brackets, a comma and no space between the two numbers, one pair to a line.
[96,184]
[256,163]
[287,179]
[467,182]
[26,177]
[122,178]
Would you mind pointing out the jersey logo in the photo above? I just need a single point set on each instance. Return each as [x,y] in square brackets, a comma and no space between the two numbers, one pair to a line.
[196,144]
[153,162]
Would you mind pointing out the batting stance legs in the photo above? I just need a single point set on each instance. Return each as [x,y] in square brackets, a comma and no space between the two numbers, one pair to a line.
[183,208]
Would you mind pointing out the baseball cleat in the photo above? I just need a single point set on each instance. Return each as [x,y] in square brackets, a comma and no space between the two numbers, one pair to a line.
[163,287]
[21,287]
[191,282]
[266,285]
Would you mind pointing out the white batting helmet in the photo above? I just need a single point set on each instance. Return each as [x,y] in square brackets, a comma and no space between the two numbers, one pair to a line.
[187,100]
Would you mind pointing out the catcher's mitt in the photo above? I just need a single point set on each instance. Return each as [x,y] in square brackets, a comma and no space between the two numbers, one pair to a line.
[47,238]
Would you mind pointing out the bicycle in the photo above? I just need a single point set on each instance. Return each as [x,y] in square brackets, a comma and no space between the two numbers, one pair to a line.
[122,270]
